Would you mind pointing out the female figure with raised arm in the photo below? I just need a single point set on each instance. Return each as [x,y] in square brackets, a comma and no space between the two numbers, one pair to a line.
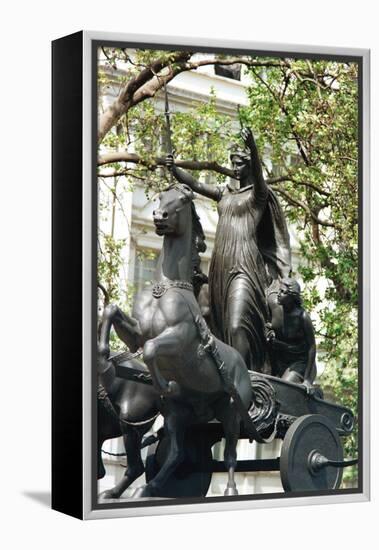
[251,249]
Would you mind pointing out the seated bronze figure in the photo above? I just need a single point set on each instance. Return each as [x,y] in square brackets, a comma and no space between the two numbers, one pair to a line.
[290,335]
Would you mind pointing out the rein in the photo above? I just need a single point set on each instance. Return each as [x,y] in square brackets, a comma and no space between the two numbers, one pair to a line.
[103,396]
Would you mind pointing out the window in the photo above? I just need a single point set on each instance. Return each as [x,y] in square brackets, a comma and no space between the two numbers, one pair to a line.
[229,71]
[144,268]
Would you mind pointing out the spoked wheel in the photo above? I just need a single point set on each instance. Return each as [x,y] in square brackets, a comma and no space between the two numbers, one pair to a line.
[193,477]
[312,455]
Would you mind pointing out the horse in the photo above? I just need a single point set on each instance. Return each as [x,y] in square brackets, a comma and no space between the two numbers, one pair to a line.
[124,408]
[198,377]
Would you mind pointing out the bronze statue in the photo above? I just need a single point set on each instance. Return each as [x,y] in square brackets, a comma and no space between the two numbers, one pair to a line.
[192,376]
[290,335]
[198,377]
[251,249]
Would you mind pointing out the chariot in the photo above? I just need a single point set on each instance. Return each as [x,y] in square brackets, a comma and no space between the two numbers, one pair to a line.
[310,428]
[202,387]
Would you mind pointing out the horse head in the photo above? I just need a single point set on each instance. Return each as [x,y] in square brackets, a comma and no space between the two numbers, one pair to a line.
[172,216]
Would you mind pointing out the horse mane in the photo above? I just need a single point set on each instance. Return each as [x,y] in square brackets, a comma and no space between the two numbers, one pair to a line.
[197,239]
[198,245]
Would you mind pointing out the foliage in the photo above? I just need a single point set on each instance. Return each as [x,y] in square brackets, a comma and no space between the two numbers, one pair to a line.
[304,114]
[109,265]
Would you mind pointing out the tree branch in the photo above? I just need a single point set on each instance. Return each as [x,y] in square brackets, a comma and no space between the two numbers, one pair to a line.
[281,179]
[284,110]
[248,62]
[305,207]
[144,85]
[149,81]
[124,156]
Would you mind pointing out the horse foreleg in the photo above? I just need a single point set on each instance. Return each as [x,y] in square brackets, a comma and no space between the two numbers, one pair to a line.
[105,368]
[135,468]
[127,329]
[231,425]
[175,424]
[100,463]
[105,329]
[166,346]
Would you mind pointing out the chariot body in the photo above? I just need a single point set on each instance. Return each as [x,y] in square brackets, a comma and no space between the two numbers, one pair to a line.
[310,428]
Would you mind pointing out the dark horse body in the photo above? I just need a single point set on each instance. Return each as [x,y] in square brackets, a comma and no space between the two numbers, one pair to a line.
[167,323]
[128,409]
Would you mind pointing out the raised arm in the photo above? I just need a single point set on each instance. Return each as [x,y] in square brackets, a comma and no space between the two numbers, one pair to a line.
[260,186]
[210,191]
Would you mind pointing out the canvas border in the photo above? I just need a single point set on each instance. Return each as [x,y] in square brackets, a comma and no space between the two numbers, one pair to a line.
[90,509]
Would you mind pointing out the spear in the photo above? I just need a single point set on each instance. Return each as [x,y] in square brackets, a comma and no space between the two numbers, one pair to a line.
[240,118]
[168,127]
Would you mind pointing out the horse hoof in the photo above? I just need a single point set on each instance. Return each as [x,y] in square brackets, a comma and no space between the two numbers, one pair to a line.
[230,492]
[143,492]
[109,494]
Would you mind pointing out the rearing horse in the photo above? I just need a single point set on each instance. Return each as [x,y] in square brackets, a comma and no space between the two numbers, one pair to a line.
[167,323]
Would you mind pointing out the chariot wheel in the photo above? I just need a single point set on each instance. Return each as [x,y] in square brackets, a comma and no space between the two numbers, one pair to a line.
[192,478]
[312,455]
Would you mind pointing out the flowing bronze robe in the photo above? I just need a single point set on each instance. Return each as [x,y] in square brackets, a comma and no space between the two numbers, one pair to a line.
[251,249]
